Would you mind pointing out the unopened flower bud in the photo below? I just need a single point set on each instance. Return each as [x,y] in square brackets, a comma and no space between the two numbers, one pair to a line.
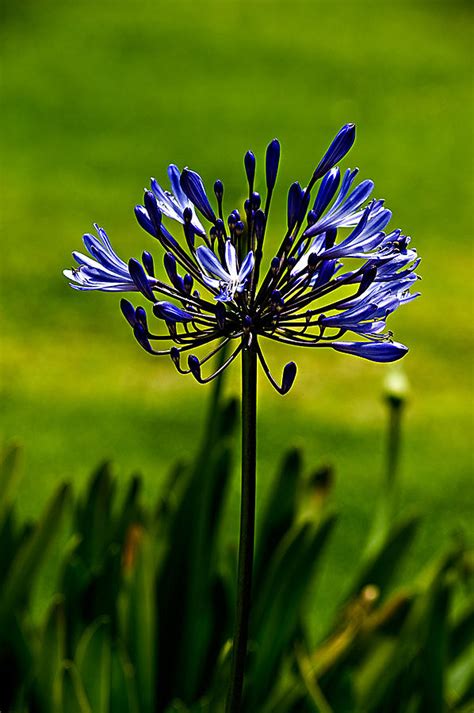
[396,387]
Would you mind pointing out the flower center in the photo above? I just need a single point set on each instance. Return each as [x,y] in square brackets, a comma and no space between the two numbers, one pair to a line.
[229,287]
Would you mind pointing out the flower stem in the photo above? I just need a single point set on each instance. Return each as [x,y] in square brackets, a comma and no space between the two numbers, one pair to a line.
[247,528]
[393,445]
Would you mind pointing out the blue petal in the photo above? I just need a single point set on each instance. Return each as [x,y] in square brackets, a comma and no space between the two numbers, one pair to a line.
[209,263]
[140,278]
[344,213]
[141,336]
[192,185]
[358,196]
[366,236]
[288,378]
[144,220]
[128,311]
[259,224]
[249,162]
[174,175]
[326,191]
[97,250]
[89,262]
[166,201]
[169,262]
[295,198]
[231,259]
[377,222]
[154,213]
[324,274]
[140,316]
[106,247]
[148,262]
[347,182]
[105,287]
[172,313]
[272,160]
[374,351]
[246,267]
[219,190]
[340,145]
[194,366]
[211,282]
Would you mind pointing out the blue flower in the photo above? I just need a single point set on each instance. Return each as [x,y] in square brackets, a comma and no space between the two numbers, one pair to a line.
[174,203]
[103,269]
[216,292]
[227,281]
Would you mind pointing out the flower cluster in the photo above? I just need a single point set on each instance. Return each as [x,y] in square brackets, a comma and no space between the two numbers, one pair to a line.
[217,293]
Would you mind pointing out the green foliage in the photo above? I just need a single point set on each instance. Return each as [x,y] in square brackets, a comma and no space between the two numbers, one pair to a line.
[141,620]
[82,133]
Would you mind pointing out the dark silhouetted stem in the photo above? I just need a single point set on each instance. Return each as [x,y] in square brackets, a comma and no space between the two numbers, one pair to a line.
[247,529]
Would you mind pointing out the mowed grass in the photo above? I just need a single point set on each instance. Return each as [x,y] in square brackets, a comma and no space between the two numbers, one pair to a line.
[97,97]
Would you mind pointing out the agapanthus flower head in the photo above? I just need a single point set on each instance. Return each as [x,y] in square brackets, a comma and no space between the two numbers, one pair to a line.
[219,289]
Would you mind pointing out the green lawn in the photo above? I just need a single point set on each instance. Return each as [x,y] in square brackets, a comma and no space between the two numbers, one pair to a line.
[99,96]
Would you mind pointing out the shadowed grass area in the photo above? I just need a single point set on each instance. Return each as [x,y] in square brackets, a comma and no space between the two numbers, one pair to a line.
[99,96]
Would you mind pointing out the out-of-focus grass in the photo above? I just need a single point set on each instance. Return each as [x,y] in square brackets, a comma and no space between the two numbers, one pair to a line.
[99,96]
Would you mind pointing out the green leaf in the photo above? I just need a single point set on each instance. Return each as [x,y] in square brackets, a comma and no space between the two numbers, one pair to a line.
[94,518]
[279,513]
[288,694]
[462,632]
[461,656]
[30,558]
[277,605]
[9,476]
[93,660]
[74,581]
[460,680]
[123,694]
[406,661]
[434,656]
[315,492]
[465,707]
[53,648]
[70,696]
[130,513]
[141,624]
[16,662]
[381,566]
[177,707]
[186,588]
[101,597]
[10,541]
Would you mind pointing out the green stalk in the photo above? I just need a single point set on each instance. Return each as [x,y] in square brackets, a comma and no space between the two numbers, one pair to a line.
[393,444]
[247,528]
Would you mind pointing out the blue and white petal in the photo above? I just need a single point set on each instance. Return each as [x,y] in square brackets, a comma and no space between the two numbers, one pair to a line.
[209,263]
[246,267]
[104,271]
[231,260]
[228,281]
[172,204]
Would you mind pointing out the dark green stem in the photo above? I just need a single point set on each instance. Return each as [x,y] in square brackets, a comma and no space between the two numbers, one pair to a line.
[393,445]
[247,528]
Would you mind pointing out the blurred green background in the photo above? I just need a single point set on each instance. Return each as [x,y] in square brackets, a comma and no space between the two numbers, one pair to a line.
[99,96]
